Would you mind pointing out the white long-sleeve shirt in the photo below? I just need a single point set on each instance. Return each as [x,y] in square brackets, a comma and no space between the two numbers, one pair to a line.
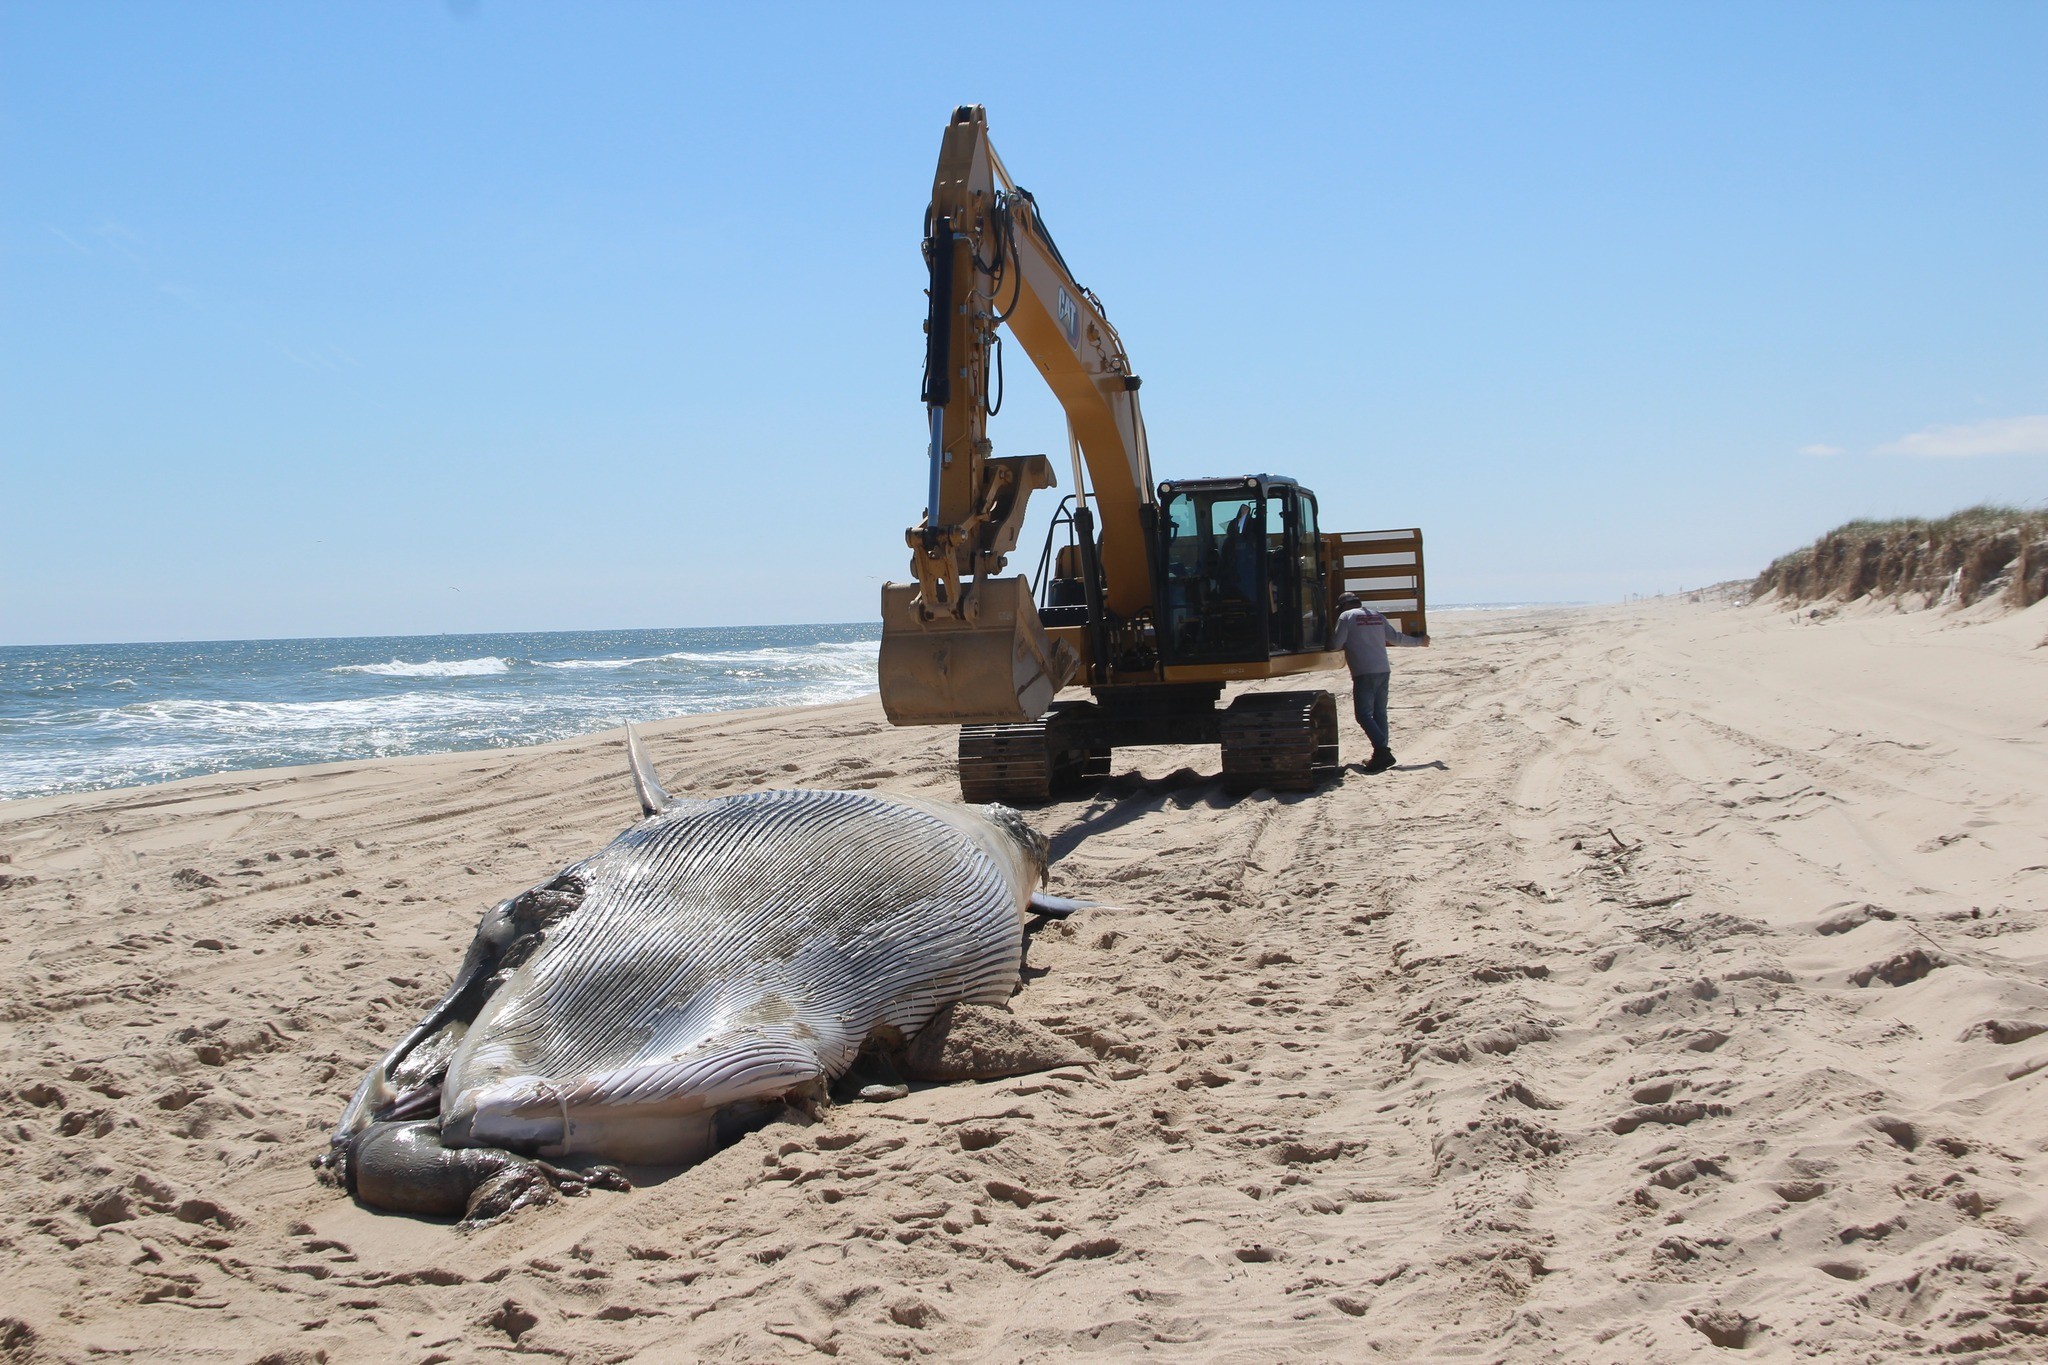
[1363,634]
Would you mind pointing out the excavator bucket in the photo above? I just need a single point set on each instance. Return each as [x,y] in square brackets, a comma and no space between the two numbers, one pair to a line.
[995,664]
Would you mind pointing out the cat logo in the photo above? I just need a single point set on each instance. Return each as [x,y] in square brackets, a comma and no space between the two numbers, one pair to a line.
[1070,318]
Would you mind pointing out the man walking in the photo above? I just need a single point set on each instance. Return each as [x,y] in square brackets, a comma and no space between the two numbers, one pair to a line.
[1363,634]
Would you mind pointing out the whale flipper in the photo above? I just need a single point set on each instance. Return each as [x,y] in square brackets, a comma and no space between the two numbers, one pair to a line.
[1056,907]
[653,800]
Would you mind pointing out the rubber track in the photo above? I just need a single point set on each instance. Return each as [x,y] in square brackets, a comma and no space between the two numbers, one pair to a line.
[1285,741]
[1005,762]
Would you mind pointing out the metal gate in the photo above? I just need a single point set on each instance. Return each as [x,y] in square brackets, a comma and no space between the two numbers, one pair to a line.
[1385,569]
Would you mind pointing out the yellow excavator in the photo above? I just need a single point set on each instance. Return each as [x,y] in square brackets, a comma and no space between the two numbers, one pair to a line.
[1152,597]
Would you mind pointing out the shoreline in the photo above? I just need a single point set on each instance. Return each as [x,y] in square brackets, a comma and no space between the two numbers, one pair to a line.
[20,807]
[1548,1043]
[104,718]
[11,806]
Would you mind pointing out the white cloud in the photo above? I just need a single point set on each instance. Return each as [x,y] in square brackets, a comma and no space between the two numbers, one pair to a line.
[2000,436]
[1821,450]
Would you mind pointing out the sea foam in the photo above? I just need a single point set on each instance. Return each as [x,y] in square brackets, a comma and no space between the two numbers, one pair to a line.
[75,718]
[432,668]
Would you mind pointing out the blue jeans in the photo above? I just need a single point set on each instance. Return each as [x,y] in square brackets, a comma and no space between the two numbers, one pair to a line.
[1369,701]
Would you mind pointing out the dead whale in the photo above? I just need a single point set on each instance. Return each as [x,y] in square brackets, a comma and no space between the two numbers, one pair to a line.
[717,960]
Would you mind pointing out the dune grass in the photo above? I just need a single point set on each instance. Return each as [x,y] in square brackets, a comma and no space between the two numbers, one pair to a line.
[1967,554]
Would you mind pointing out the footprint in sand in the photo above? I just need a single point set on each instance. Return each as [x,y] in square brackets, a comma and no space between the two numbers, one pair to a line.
[979,1139]
[1798,1191]
[1725,1327]
[2004,1032]
[1677,1174]
[1676,1113]
[1840,920]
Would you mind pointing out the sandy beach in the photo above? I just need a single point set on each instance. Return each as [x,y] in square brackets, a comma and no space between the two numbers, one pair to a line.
[1682,991]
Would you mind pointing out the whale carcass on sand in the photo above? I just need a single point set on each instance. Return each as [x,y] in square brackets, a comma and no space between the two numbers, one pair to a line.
[715,960]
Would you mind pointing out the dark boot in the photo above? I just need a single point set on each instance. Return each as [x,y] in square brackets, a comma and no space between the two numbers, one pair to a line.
[1381,760]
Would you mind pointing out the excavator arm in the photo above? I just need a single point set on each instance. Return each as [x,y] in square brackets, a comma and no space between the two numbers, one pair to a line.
[961,644]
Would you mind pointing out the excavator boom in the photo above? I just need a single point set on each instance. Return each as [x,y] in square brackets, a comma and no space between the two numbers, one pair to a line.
[961,643]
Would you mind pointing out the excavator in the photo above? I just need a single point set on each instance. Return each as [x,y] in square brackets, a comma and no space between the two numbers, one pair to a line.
[1153,597]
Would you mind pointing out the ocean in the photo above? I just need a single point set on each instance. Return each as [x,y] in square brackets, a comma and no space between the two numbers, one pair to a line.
[86,717]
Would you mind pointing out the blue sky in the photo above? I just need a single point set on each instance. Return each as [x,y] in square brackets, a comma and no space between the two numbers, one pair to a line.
[409,317]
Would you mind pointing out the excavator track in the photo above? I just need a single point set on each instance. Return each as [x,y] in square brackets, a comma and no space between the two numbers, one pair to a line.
[1285,741]
[1006,762]
[1027,761]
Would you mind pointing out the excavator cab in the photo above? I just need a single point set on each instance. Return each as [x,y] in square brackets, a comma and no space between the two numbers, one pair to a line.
[1241,575]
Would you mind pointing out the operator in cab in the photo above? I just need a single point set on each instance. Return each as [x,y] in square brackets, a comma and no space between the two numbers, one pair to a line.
[1363,634]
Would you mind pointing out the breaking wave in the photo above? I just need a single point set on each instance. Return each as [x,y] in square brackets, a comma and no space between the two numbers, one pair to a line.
[432,668]
[88,717]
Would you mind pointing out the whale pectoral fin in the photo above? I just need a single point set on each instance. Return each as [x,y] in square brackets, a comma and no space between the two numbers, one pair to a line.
[1057,907]
[653,800]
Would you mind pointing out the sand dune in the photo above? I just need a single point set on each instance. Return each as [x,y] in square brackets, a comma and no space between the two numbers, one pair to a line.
[1682,991]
